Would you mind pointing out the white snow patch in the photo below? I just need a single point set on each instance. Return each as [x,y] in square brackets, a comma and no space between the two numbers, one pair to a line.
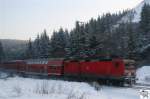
[28,88]
[136,12]
[143,75]
[3,75]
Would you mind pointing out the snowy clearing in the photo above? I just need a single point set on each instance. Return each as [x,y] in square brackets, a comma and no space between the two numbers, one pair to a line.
[143,75]
[28,88]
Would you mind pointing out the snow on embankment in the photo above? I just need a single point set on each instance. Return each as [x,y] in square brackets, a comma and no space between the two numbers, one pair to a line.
[3,75]
[28,88]
[143,75]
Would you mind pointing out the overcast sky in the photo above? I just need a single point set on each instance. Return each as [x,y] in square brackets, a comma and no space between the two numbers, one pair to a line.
[22,19]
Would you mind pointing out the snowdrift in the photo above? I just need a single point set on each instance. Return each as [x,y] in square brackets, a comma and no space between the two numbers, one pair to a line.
[143,75]
[28,88]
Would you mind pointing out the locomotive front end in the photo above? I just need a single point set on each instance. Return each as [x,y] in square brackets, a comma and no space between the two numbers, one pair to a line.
[130,71]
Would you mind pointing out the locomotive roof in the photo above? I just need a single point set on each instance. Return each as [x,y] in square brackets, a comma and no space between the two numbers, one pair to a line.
[13,61]
[37,61]
[89,59]
[43,61]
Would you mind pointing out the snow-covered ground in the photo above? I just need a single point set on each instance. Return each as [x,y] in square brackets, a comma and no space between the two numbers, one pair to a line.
[143,75]
[29,88]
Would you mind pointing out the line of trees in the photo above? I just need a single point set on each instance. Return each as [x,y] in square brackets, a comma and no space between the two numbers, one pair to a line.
[44,47]
[145,32]
[96,37]
[101,36]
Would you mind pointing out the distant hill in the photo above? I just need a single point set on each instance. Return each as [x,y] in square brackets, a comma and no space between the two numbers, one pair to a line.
[14,49]
[12,43]
[135,13]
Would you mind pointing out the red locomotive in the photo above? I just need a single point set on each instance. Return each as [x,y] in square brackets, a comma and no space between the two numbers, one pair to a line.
[114,70]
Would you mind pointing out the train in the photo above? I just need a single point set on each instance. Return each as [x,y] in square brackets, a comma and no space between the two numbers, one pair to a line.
[114,70]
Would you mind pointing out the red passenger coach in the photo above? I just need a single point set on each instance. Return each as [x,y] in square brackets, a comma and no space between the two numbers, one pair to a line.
[44,66]
[37,66]
[55,67]
[15,66]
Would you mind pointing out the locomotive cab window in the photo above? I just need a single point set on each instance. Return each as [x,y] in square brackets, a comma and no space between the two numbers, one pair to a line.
[53,68]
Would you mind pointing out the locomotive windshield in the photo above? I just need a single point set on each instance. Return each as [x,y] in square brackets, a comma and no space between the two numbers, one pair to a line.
[130,70]
[129,63]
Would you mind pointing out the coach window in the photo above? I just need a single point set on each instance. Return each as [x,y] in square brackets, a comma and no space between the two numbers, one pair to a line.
[53,67]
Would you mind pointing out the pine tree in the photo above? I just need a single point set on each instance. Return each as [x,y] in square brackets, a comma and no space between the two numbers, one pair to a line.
[144,36]
[29,51]
[44,47]
[59,43]
[1,52]
[73,45]
[36,46]
[131,41]
[78,38]
[94,46]
[119,41]
[145,19]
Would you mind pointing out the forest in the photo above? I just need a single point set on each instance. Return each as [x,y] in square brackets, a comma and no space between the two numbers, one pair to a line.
[103,36]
